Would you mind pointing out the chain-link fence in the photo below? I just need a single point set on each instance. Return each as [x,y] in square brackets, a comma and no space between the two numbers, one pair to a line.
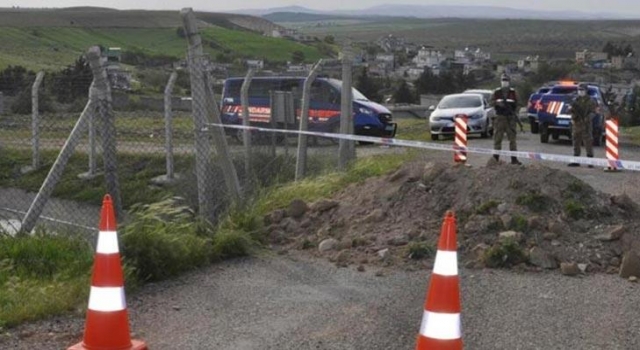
[66,139]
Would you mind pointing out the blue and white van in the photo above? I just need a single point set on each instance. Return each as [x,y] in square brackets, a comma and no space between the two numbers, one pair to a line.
[370,118]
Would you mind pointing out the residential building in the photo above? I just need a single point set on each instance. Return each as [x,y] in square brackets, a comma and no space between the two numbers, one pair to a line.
[391,43]
[428,57]
[529,64]
[586,56]
[257,64]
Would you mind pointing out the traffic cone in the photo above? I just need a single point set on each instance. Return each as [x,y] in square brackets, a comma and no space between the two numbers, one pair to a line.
[440,329]
[107,322]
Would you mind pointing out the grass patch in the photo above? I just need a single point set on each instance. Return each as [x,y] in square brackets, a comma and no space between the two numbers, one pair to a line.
[165,239]
[323,186]
[574,209]
[486,207]
[519,223]
[535,201]
[632,133]
[413,129]
[420,250]
[505,253]
[42,275]
[134,174]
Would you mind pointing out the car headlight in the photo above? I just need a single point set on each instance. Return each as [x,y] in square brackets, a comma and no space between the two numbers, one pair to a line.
[476,116]
[434,119]
[366,111]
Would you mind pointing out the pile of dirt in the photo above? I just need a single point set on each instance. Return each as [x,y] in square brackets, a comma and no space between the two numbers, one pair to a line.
[528,217]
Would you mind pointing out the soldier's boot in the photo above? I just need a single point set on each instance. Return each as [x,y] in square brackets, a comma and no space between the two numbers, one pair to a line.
[496,157]
[590,156]
[515,161]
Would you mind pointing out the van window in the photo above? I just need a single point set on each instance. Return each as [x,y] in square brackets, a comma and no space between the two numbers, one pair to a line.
[232,89]
[324,93]
[261,88]
[291,84]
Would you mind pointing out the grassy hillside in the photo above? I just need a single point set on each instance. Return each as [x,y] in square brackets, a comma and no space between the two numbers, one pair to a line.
[30,42]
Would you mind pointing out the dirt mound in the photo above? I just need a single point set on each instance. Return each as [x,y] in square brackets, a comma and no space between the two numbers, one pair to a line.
[531,217]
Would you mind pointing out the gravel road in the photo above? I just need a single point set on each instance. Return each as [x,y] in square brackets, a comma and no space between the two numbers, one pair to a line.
[290,302]
[295,302]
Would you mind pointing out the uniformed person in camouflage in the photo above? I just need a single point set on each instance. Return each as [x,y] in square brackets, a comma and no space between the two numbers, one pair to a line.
[505,102]
[582,109]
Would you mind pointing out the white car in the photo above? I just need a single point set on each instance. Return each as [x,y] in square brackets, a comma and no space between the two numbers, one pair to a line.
[477,109]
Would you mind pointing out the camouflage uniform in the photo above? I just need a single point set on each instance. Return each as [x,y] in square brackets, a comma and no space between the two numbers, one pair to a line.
[505,102]
[582,110]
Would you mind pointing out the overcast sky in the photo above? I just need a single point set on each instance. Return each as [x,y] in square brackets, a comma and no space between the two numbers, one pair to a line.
[624,6]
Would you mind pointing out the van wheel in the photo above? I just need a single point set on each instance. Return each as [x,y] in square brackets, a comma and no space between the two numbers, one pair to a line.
[555,135]
[597,138]
[535,128]
[544,134]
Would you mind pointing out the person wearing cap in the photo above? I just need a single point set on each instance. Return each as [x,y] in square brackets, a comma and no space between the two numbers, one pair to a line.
[505,102]
[582,110]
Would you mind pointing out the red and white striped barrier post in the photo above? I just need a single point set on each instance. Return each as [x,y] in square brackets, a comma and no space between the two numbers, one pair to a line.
[441,323]
[460,140]
[611,144]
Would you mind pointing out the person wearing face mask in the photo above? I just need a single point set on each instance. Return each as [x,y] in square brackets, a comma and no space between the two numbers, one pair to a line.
[505,102]
[582,111]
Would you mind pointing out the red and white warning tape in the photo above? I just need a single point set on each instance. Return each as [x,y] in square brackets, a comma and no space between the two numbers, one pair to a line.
[600,162]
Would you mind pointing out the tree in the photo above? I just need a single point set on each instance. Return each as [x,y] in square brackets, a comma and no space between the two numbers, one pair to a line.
[72,82]
[368,86]
[403,94]
[330,39]
[297,57]
[14,79]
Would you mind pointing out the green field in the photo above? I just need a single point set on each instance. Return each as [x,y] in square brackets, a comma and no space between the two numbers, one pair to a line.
[553,39]
[48,39]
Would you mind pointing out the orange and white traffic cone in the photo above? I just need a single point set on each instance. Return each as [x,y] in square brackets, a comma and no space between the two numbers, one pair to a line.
[441,326]
[107,322]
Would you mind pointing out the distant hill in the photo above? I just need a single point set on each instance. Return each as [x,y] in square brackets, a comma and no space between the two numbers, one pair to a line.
[445,11]
[279,17]
[99,17]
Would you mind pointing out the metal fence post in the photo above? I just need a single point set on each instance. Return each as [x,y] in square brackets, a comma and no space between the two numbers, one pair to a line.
[168,123]
[347,148]
[35,121]
[301,159]
[93,171]
[37,206]
[246,135]
[107,128]
[204,104]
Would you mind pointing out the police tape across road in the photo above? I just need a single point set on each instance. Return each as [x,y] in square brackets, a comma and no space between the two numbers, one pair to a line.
[600,162]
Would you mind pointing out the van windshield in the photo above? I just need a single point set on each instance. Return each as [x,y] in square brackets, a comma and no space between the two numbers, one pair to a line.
[357,95]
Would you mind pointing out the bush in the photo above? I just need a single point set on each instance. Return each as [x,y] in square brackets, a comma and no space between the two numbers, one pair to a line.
[231,244]
[535,201]
[574,209]
[519,223]
[164,239]
[486,207]
[420,250]
[504,254]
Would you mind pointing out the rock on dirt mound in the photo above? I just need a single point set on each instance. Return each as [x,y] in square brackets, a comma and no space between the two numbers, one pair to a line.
[533,217]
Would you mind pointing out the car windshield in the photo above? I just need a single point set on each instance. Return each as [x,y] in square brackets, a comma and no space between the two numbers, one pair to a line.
[568,90]
[460,102]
